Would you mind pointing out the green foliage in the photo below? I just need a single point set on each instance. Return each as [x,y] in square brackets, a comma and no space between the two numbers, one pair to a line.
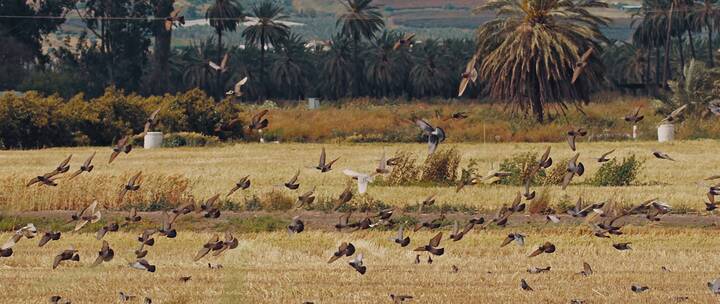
[519,165]
[405,172]
[188,139]
[615,173]
[441,166]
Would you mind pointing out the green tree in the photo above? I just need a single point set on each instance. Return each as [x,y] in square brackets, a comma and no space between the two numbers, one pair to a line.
[289,69]
[361,20]
[266,30]
[223,16]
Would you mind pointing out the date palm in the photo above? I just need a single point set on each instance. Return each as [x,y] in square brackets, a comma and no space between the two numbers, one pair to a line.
[361,20]
[528,51]
[429,75]
[289,68]
[223,16]
[382,71]
[266,30]
[708,16]
[336,69]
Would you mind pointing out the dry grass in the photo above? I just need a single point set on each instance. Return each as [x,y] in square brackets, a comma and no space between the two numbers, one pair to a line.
[277,268]
[203,172]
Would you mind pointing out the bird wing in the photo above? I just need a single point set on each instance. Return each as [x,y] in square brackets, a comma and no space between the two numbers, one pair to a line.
[463,85]
[56,261]
[322,158]
[239,84]
[566,179]
[571,141]
[223,63]
[89,160]
[214,66]
[354,174]
[435,241]
[607,153]
[424,125]
[587,268]
[65,162]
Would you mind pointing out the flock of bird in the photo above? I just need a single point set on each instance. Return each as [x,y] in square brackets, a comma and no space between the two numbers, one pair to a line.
[602,217]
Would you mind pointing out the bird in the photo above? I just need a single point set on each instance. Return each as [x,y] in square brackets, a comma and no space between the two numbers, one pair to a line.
[185,279]
[397,299]
[572,136]
[662,155]
[105,254]
[551,217]
[524,285]
[85,216]
[296,226]
[581,65]
[56,300]
[573,168]
[46,179]
[363,179]
[399,239]
[145,239]
[639,288]
[292,184]
[467,181]
[86,167]
[579,211]
[456,116]
[536,270]
[431,224]
[133,184]
[345,249]
[343,221]
[634,117]
[457,234]
[70,254]
[622,246]
[49,236]
[357,264]
[124,297]
[123,145]
[322,165]
[517,204]
[603,158]
[546,247]
[142,264]
[345,197]
[435,135]
[174,18]
[152,121]
[518,238]
[674,115]
[432,245]
[587,270]
[28,231]
[257,122]
[166,229]
[383,165]
[208,207]
[132,217]
[222,68]
[406,40]
[230,242]
[212,245]
[243,184]
[237,89]
[714,286]
[470,74]
[306,198]
[428,201]
[109,227]
[714,107]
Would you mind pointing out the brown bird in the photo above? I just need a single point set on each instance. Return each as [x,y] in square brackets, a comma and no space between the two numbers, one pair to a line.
[674,115]
[634,117]
[188,207]
[132,217]
[457,235]
[405,41]
[28,231]
[86,167]
[547,247]
[109,227]
[227,126]
[85,216]
[397,299]
[581,65]
[536,270]
[56,300]
[343,221]
[122,145]
[209,209]
[431,224]
[662,155]
[467,181]
[124,297]
[212,245]
[383,165]
[243,184]
[167,229]
[639,288]
[174,18]
[230,242]
[66,255]
[133,184]
[514,236]
[63,166]
[344,198]
[573,168]
[517,204]
[470,74]
[431,247]
[603,158]
[257,122]
[46,180]
[237,88]
[399,239]
[345,249]
[105,254]
[357,264]
[580,211]
[572,136]
[292,184]
[587,270]
[142,264]
[152,121]
[524,285]
[222,68]
[322,166]
[429,201]
[622,246]
[296,226]
[49,236]
[306,198]
[185,279]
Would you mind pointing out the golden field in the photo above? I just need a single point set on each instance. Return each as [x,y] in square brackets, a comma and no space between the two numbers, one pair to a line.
[203,172]
[278,268]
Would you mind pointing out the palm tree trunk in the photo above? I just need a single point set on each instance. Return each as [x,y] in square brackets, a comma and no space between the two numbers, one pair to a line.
[646,77]
[682,56]
[218,89]
[159,79]
[657,67]
[710,43]
[690,40]
[262,67]
[668,39]
[356,68]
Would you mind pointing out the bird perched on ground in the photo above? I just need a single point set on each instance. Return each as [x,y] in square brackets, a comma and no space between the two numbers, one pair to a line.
[49,236]
[435,135]
[573,168]
[237,89]
[674,116]
[363,179]
[222,68]
[306,198]
[292,184]
[133,184]
[357,264]
[174,19]
[573,134]
[662,155]
[639,288]
[397,299]
[399,239]
[322,165]
[105,254]
[582,64]
[122,145]
[345,249]
[470,74]
[86,167]
[603,158]
[536,270]
[406,41]
[432,246]
[634,117]
[296,225]
[587,270]
[525,286]
[243,184]
[70,254]
[546,247]
[257,122]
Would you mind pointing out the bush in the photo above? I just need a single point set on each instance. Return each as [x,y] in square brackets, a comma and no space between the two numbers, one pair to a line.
[520,166]
[614,173]
[405,172]
[441,166]
[188,139]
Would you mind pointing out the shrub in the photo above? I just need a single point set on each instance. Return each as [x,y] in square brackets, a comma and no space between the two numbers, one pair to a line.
[615,173]
[519,165]
[277,201]
[441,166]
[188,139]
[405,172]
[540,203]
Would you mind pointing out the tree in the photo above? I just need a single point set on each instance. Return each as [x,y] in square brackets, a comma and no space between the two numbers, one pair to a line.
[159,76]
[289,69]
[428,74]
[223,15]
[528,52]
[708,16]
[337,69]
[382,73]
[361,20]
[266,30]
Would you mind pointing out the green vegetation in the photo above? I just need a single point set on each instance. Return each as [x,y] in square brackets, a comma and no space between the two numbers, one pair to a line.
[616,173]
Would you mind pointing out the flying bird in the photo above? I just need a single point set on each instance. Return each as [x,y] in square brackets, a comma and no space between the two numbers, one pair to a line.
[86,167]
[345,197]
[634,117]
[345,249]
[622,246]
[573,168]
[363,179]
[122,145]
[296,225]
[222,68]
[306,198]
[662,155]
[49,236]
[70,254]
[546,247]
[603,158]
[524,285]
[432,246]
[174,19]
[518,238]
[581,65]
[257,122]
[212,245]
[674,115]
[243,184]
[237,89]
[109,227]
[142,264]
[133,184]
[470,74]
[152,121]
[322,165]
[573,134]
[406,40]
[435,135]
[292,184]
[399,239]
[587,270]
[357,264]
[105,254]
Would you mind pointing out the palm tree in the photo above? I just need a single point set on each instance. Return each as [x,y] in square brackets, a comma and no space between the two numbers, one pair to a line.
[528,51]
[708,16]
[337,69]
[193,66]
[428,75]
[289,68]
[382,72]
[223,15]
[361,20]
[266,30]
